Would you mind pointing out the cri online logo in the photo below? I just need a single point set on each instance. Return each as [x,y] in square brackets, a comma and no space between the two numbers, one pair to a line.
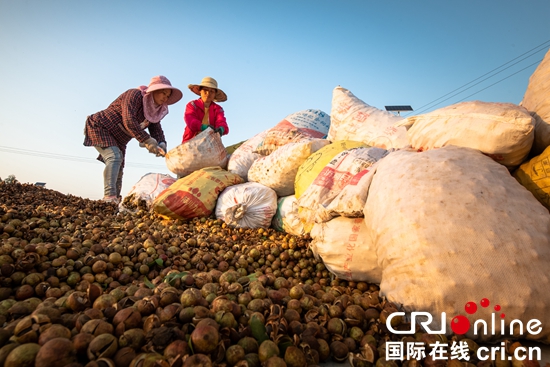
[461,324]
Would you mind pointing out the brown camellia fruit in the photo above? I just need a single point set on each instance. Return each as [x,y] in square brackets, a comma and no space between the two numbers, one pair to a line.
[104,301]
[24,292]
[28,328]
[103,346]
[249,344]
[6,350]
[186,315]
[198,360]
[324,350]
[275,362]
[208,321]
[93,292]
[234,354]
[81,342]
[126,319]
[4,337]
[56,352]
[133,338]
[97,327]
[294,357]
[354,315]
[78,301]
[204,338]
[54,331]
[267,349]
[124,356]
[253,360]
[99,266]
[23,356]
[339,351]
[177,347]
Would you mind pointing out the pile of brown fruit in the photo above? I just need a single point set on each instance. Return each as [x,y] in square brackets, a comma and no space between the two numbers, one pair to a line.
[83,285]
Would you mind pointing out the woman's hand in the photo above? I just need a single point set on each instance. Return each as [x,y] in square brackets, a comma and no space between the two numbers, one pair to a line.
[152,146]
[162,149]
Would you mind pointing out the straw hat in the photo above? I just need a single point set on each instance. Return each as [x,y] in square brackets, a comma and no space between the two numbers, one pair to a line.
[209,82]
[162,82]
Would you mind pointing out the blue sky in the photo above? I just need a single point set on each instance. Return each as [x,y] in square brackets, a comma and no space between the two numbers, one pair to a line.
[63,60]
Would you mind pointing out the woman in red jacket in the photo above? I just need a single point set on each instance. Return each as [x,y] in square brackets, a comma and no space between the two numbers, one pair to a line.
[205,112]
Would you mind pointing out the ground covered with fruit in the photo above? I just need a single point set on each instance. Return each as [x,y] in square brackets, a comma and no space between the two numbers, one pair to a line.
[84,285]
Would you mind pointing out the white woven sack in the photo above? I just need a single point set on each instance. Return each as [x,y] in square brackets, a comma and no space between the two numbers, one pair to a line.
[204,150]
[286,218]
[278,170]
[350,202]
[311,119]
[243,157]
[332,179]
[536,100]
[347,251]
[353,119]
[247,205]
[145,191]
[301,126]
[503,131]
[452,226]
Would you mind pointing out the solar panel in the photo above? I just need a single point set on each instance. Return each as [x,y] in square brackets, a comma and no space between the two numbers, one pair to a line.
[399,108]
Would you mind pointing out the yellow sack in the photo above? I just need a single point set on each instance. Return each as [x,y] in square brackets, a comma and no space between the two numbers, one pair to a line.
[231,149]
[315,163]
[537,102]
[194,195]
[535,176]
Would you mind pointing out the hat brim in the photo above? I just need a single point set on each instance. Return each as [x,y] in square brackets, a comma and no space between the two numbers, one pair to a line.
[174,97]
[220,94]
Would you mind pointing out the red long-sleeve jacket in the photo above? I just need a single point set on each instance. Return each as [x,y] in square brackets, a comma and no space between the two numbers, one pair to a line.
[194,113]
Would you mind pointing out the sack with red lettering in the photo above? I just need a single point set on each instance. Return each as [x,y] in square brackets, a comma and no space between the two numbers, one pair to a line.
[343,169]
[345,247]
[194,195]
[451,226]
[353,119]
[350,202]
[301,126]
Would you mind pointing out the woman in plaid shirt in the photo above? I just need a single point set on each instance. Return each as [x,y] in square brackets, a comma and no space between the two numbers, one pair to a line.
[134,111]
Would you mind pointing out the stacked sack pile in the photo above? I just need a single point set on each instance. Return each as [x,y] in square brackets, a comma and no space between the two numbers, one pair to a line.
[441,209]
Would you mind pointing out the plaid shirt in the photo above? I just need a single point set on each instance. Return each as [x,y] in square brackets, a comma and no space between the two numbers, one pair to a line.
[120,122]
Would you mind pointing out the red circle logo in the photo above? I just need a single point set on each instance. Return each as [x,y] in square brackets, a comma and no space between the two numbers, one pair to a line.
[460,324]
